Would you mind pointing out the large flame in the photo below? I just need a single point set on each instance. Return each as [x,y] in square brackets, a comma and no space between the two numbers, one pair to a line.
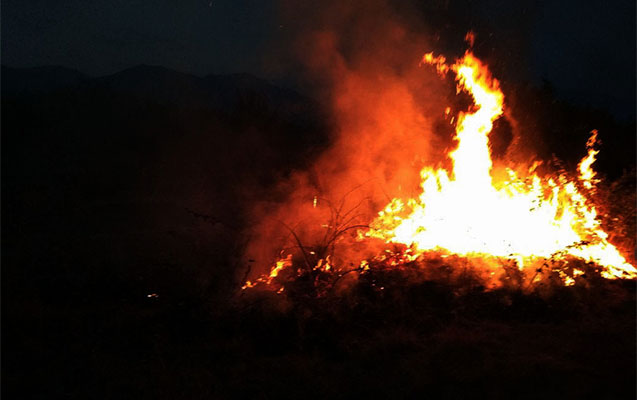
[468,213]
[488,213]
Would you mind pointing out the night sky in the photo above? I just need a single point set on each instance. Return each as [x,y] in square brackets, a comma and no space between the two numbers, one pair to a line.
[586,49]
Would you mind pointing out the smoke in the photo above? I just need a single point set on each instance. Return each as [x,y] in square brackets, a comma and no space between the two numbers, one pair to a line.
[362,60]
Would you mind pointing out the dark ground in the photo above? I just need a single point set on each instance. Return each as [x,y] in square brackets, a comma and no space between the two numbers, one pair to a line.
[117,188]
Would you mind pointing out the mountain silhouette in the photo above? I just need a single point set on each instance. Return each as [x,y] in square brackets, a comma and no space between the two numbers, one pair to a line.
[39,79]
[91,165]
[162,86]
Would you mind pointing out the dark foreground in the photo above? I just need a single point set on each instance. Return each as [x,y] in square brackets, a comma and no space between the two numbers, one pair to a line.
[421,341]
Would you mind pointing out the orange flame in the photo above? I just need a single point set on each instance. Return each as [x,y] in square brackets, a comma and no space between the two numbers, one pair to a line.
[469,214]
[279,266]
[587,174]
[470,38]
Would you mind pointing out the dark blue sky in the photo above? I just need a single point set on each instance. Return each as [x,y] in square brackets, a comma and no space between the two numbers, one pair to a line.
[585,48]
[589,47]
[104,36]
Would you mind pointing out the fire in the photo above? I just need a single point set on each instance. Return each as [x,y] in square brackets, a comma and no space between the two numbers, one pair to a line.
[279,266]
[493,215]
[468,213]
[587,174]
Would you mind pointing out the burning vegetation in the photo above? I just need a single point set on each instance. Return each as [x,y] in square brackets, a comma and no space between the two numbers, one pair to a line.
[504,224]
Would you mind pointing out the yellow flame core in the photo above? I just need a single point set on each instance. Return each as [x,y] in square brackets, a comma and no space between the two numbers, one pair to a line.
[518,219]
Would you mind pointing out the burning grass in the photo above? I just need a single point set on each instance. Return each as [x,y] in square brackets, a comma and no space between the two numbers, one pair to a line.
[432,327]
[489,224]
[323,270]
[397,268]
